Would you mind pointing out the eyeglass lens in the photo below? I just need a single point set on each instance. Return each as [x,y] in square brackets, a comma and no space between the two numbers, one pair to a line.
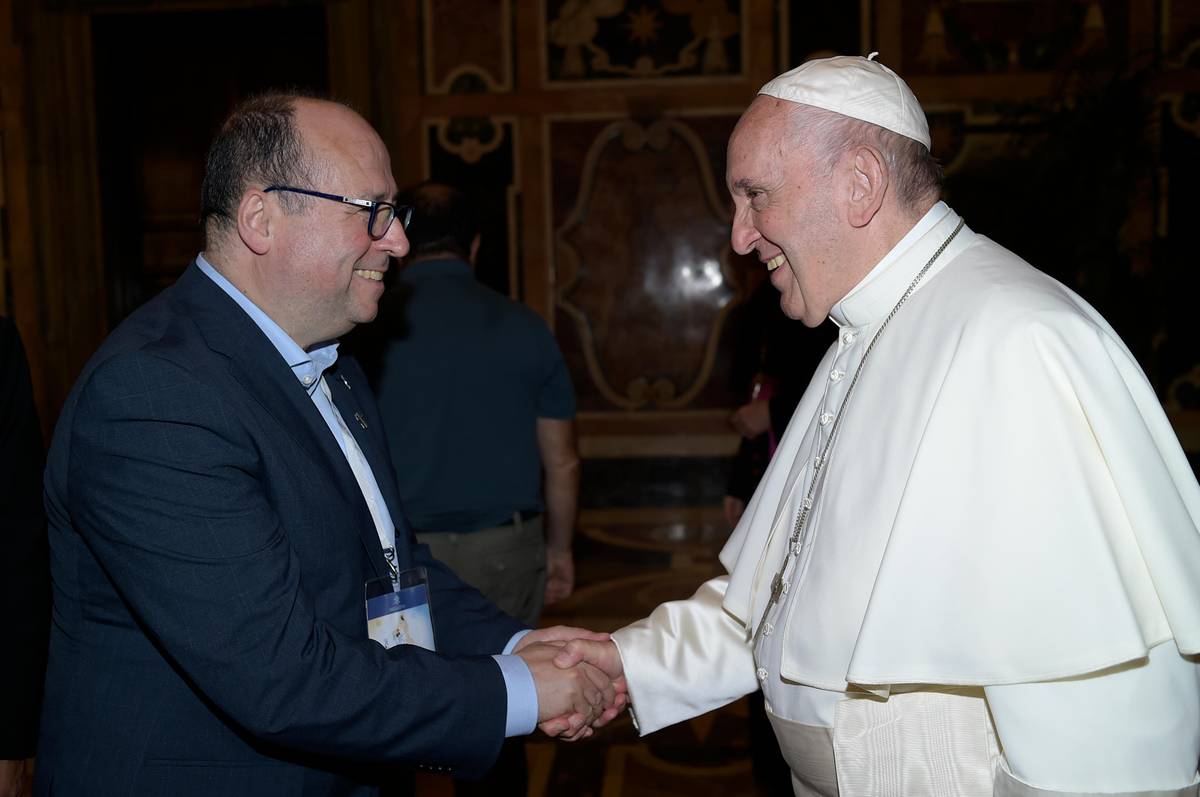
[381,220]
[383,216]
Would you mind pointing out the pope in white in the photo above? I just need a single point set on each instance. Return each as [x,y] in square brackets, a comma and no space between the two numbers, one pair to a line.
[973,565]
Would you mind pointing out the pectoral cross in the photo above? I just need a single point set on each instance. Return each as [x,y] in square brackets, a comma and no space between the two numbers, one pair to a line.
[776,588]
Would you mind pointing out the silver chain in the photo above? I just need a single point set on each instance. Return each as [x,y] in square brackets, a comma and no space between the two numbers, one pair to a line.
[823,459]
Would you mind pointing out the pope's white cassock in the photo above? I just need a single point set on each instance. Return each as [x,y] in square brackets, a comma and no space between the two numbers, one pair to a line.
[998,590]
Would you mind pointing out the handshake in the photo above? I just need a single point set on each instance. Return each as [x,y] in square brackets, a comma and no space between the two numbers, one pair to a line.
[579,679]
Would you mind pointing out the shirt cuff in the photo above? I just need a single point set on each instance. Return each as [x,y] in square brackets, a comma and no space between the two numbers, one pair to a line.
[522,713]
[512,643]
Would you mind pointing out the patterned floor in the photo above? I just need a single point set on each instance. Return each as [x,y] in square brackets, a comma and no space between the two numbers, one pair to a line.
[628,561]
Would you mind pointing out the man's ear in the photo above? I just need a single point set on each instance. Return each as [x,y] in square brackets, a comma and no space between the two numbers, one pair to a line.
[868,185]
[255,221]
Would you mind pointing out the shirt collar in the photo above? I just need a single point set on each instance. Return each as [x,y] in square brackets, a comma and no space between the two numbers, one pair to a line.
[306,365]
[875,296]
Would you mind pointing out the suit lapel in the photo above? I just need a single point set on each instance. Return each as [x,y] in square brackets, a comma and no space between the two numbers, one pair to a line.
[256,365]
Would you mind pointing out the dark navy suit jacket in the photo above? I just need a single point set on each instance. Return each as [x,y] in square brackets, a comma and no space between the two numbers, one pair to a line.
[209,545]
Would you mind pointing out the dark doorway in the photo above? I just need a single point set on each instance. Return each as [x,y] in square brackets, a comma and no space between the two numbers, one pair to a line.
[164,82]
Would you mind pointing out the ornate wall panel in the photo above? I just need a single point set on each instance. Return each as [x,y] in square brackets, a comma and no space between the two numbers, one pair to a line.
[622,40]
[468,45]
[594,132]
[1180,25]
[1010,36]
[641,259]
[480,153]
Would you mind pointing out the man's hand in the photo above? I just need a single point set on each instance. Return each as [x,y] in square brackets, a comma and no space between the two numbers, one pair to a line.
[752,419]
[603,655]
[580,693]
[560,574]
[14,777]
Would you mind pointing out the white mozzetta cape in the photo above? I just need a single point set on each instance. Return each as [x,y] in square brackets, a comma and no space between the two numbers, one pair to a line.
[1006,503]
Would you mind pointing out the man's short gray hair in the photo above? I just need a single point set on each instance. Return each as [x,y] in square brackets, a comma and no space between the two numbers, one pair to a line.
[915,174]
[259,144]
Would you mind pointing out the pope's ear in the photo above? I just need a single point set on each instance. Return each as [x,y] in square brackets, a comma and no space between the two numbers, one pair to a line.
[256,221]
[868,185]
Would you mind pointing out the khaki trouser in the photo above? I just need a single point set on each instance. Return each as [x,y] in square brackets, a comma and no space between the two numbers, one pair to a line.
[506,563]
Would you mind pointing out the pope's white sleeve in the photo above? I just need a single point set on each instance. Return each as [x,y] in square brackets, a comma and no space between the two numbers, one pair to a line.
[1129,729]
[687,658]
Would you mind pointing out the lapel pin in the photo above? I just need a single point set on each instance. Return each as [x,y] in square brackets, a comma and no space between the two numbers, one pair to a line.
[361,421]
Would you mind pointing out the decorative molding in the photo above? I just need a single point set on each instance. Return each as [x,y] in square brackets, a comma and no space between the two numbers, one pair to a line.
[1182,106]
[648,389]
[471,139]
[467,76]
[586,34]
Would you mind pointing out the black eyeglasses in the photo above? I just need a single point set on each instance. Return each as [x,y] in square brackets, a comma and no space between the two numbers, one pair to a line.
[382,213]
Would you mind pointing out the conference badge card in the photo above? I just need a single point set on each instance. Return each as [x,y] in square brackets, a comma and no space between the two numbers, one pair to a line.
[398,610]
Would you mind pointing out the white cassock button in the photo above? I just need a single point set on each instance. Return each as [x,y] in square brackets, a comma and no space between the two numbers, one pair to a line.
[767,629]
[762,673]
[848,336]
[836,375]
[825,418]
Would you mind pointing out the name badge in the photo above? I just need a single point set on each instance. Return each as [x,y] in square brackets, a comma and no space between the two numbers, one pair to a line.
[398,610]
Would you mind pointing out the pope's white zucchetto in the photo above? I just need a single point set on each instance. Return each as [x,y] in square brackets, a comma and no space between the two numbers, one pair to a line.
[861,88]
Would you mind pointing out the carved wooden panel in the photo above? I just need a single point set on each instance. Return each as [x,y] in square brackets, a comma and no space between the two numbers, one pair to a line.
[1010,36]
[642,264]
[468,45]
[1180,25]
[595,231]
[606,40]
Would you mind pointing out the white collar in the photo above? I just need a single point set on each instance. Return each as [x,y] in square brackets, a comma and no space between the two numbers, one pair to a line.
[874,297]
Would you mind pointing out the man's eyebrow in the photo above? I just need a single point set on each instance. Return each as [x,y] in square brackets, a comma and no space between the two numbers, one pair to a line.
[742,184]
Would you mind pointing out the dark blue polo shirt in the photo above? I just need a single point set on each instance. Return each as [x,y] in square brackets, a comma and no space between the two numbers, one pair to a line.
[463,381]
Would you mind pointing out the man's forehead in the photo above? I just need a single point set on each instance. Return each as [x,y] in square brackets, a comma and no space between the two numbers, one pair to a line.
[758,133]
[345,143]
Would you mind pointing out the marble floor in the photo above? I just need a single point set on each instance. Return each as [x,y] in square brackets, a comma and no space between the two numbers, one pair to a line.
[628,561]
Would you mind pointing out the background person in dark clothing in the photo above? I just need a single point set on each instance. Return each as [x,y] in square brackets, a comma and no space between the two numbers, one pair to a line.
[479,411]
[774,361]
[24,569]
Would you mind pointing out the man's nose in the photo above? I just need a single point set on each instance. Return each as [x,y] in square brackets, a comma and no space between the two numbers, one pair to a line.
[743,236]
[394,241]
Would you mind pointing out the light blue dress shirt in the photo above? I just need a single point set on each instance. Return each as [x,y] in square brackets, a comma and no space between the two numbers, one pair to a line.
[308,368]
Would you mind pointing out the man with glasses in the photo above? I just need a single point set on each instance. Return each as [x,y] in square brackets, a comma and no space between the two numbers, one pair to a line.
[221,499]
